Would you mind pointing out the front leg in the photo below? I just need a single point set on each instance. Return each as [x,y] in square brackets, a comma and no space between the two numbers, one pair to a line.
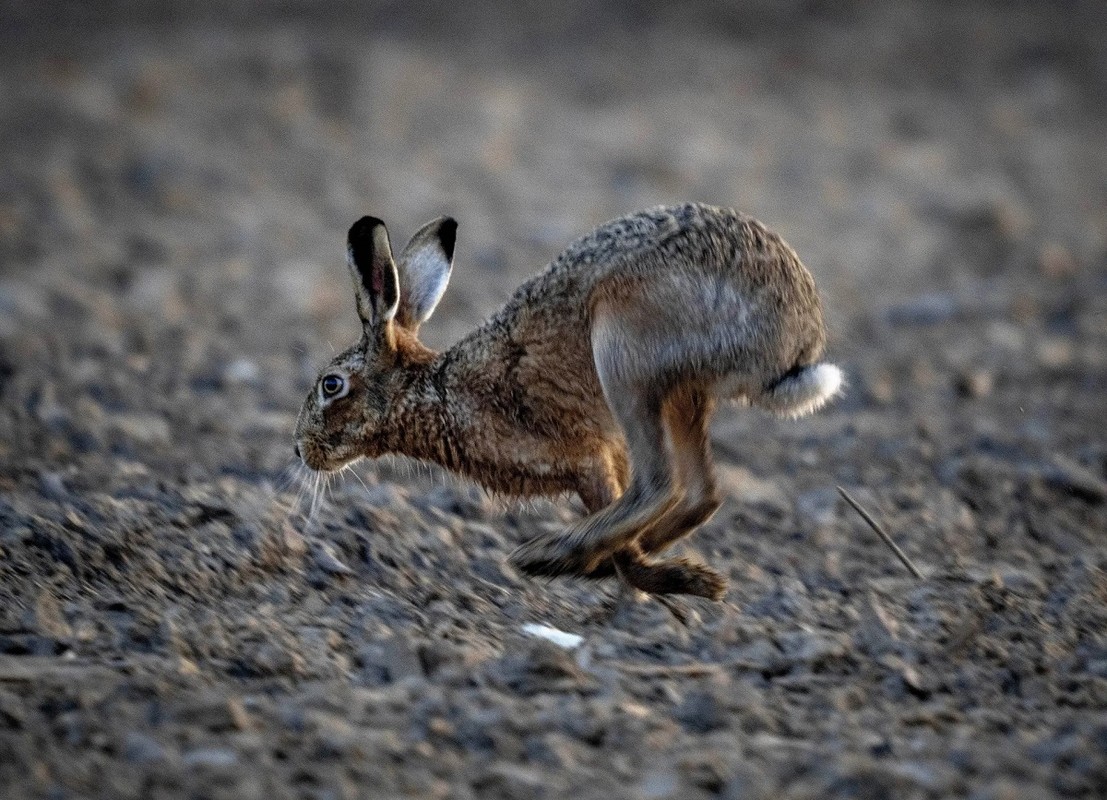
[600,482]
[651,494]
[594,540]
[600,487]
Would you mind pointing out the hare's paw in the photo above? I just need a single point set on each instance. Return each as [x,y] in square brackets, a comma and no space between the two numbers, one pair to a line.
[550,556]
[671,576]
[699,580]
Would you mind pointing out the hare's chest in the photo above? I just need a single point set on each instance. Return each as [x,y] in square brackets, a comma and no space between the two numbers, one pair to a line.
[526,465]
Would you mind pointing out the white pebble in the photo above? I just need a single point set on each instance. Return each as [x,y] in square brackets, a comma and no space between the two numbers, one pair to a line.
[560,638]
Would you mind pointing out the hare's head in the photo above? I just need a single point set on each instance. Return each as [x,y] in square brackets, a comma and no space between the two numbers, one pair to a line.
[343,415]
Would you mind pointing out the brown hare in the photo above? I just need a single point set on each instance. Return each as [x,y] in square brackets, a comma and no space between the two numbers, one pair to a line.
[598,377]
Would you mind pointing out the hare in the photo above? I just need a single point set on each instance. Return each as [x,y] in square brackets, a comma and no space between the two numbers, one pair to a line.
[598,377]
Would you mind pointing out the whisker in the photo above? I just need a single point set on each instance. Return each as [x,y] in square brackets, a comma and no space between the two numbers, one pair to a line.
[286,477]
[317,494]
[322,486]
[303,477]
[312,490]
[350,469]
[283,499]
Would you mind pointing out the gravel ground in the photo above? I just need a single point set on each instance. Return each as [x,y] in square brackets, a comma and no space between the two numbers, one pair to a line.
[174,190]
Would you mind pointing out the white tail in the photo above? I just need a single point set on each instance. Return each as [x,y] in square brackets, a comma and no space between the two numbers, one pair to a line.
[802,391]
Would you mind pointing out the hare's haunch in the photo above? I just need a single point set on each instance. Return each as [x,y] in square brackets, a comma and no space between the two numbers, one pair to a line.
[598,377]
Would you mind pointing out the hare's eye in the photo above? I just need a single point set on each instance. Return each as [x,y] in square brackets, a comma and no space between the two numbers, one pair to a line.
[333,385]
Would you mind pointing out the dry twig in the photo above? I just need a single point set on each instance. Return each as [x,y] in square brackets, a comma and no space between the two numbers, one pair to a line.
[881,533]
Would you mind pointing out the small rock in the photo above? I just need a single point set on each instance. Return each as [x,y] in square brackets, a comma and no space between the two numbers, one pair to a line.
[559,638]
[290,541]
[13,714]
[48,410]
[927,309]
[1012,789]
[910,680]
[1054,352]
[242,371]
[659,784]
[210,758]
[439,655]
[479,730]
[935,778]
[215,713]
[709,770]
[52,485]
[553,750]
[760,655]
[974,383]
[818,506]
[334,737]
[1097,667]
[701,712]
[389,660]
[1072,478]
[143,428]
[1056,261]
[323,556]
[512,781]
[881,386]
[745,783]
[545,667]
[271,658]
[47,617]
[1021,581]
[811,648]
[1006,335]
[138,748]
[914,681]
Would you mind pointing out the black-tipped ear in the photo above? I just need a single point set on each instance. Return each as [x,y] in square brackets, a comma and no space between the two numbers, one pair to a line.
[376,285]
[447,236]
[424,269]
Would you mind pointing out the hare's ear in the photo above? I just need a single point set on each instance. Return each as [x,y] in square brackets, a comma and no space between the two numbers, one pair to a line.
[425,266]
[376,285]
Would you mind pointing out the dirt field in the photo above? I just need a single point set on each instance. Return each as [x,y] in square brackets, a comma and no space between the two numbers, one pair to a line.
[175,186]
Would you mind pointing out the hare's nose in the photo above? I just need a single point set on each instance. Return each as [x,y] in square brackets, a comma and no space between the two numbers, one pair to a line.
[296,449]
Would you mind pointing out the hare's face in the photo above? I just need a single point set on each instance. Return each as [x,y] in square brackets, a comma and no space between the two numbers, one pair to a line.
[342,413]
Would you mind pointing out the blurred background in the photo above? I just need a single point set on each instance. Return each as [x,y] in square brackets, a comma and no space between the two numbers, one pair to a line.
[172,151]
[176,182]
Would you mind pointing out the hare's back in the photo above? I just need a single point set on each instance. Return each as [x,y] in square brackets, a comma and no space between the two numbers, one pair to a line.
[693,240]
[665,275]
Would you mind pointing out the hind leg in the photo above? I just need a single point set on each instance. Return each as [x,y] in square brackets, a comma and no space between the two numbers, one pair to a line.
[637,575]
[668,576]
[605,485]
[673,576]
[687,413]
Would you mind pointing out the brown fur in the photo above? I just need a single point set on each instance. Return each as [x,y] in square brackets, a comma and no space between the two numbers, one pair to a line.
[598,377]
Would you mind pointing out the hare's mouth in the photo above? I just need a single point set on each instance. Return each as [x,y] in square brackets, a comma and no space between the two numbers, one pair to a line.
[328,464]
[316,460]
